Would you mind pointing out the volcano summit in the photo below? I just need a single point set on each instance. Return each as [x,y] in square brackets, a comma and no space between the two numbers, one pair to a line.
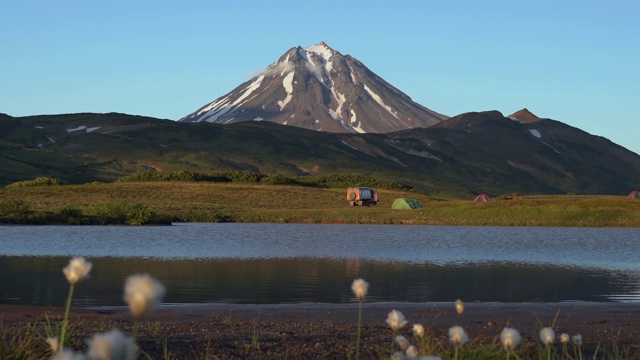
[318,88]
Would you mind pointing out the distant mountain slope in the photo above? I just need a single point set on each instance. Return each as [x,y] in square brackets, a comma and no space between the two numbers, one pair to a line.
[470,153]
[318,88]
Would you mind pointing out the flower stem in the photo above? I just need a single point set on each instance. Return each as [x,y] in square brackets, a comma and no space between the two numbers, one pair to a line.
[134,336]
[65,321]
[359,330]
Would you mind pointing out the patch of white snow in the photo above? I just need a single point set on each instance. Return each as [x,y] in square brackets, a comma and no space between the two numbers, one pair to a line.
[51,139]
[217,113]
[258,119]
[552,148]
[39,127]
[349,145]
[354,119]
[213,105]
[516,120]
[377,99]
[81,127]
[321,50]
[535,133]
[288,87]
[353,78]
[92,129]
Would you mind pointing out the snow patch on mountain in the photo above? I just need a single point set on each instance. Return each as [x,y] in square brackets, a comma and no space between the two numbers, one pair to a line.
[349,145]
[226,108]
[535,133]
[320,49]
[377,99]
[354,119]
[552,148]
[287,83]
[81,127]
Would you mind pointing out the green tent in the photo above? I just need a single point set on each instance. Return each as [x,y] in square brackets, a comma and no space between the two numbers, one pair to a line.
[404,203]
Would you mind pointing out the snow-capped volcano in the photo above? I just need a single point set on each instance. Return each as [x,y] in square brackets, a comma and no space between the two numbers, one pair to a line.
[319,88]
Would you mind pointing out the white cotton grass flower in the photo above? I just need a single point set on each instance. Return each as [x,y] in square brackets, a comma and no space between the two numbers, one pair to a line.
[564,338]
[402,342]
[141,292]
[418,330]
[458,336]
[77,270]
[396,320]
[110,345]
[459,306]
[68,354]
[576,340]
[412,352]
[54,344]
[510,338]
[547,335]
[360,288]
[397,356]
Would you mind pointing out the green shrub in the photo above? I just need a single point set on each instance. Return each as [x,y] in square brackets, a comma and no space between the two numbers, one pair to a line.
[278,179]
[164,176]
[240,176]
[351,179]
[14,208]
[122,212]
[39,181]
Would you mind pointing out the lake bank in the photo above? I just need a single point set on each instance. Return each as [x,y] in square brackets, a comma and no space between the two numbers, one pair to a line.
[318,331]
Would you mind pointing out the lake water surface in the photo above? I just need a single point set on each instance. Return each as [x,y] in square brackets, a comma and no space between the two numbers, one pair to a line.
[290,263]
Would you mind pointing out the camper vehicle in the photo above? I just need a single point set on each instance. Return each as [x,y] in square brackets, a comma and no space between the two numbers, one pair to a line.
[362,196]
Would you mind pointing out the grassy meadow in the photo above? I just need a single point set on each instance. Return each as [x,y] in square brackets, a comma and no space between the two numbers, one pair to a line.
[164,202]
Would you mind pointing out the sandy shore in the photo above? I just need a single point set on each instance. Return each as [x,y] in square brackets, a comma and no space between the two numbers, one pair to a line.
[328,331]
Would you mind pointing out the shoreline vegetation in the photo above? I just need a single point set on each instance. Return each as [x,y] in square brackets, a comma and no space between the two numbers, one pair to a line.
[149,198]
[330,331]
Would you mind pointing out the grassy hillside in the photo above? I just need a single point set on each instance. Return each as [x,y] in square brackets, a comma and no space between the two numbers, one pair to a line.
[209,202]
[466,155]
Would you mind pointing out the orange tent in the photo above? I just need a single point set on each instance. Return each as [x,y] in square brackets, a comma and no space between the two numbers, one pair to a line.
[482,198]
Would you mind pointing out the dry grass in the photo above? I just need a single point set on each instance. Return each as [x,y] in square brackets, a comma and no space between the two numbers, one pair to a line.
[201,201]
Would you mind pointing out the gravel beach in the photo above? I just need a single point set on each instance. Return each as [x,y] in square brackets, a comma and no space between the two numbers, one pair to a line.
[328,331]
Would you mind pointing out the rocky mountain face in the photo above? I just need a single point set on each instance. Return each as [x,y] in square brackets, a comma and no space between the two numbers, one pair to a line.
[320,89]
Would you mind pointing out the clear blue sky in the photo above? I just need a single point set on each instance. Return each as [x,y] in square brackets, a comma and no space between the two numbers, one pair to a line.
[573,61]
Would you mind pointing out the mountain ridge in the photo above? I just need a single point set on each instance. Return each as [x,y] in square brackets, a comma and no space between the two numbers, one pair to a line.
[477,152]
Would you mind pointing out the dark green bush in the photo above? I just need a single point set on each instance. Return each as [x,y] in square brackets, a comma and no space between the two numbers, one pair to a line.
[240,176]
[351,179]
[14,208]
[39,181]
[164,176]
[122,212]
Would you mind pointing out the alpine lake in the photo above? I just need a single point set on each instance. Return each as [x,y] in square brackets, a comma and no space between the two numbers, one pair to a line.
[241,263]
